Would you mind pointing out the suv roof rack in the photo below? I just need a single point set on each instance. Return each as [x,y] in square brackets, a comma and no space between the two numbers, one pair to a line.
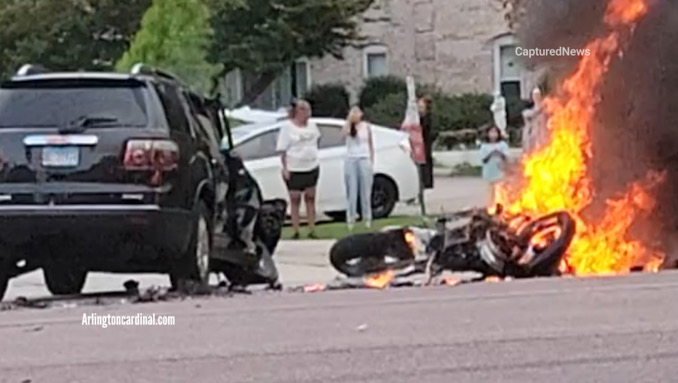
[30,69]
[141,68]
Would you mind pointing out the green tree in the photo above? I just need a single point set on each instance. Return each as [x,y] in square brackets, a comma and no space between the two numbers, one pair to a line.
[66,34]
[265,37]
[174,36]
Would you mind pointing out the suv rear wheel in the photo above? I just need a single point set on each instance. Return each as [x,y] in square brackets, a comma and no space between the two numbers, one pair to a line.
[193,269]
[4,282]
[64,278]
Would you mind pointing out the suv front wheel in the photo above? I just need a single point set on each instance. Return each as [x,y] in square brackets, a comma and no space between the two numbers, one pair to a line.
[193,269]
[4,282]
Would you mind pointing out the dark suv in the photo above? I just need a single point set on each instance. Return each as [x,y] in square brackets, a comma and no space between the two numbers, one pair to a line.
[107,172]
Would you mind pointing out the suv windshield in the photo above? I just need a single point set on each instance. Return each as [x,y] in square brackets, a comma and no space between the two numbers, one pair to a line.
[58,103]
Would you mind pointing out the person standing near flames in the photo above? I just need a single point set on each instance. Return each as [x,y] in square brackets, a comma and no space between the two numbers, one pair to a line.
[298,145]
[535,132]
[426,121]
[494,155]
[358,167]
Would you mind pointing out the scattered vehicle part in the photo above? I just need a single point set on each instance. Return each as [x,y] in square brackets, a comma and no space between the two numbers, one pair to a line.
[251,231]
[248,115]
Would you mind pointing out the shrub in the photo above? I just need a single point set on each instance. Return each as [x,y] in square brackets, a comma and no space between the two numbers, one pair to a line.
[378,88]
[466,111]
[329,100]
[389,111]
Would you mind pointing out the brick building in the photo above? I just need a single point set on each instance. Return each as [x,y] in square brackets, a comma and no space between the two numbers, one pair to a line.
[460,45]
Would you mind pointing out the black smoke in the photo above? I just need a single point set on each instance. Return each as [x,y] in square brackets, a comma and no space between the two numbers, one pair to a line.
[636,127]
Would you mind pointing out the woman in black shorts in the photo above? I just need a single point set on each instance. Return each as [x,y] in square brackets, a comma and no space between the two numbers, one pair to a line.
[298,144]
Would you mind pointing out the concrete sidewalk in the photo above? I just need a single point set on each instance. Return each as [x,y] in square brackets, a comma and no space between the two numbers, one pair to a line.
[304,262]
[450,194]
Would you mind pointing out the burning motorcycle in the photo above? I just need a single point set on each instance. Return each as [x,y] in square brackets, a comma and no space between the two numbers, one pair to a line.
[492,244]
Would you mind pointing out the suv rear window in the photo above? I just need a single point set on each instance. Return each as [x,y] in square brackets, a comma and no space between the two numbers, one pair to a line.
[56,103]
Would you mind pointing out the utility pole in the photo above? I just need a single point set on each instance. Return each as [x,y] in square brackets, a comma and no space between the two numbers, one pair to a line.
[412,125]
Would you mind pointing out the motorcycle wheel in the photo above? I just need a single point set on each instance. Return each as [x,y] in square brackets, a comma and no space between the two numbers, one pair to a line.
[549,237]
[362,254]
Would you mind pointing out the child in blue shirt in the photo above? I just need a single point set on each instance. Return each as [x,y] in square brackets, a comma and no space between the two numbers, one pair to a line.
[494,154]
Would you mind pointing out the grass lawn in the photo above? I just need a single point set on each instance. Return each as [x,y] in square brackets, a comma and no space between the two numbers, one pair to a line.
[466,170]
[336,230]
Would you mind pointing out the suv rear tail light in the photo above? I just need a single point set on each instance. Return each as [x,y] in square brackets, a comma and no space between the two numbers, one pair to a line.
[151,154]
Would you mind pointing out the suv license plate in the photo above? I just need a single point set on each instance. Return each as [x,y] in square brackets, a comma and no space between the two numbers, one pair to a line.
[61,156]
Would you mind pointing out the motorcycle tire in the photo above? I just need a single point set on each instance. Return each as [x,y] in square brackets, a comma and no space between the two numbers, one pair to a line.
[546,262]
[362,254]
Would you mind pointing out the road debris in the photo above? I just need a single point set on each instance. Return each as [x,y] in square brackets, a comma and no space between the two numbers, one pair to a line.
[345,283]
[152,294]
[32,304]
[131,287]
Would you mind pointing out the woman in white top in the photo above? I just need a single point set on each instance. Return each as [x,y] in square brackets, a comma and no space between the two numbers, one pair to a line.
[298,145]
[358,172]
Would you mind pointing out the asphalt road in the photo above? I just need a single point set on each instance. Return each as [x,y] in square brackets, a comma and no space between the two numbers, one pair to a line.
[555,330]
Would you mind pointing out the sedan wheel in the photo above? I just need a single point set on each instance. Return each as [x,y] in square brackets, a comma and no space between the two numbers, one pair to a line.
[384,197]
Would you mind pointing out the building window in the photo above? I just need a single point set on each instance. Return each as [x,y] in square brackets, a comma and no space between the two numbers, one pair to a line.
[302,77]
[376,61]
[232,89]
[509,70]
[292,82]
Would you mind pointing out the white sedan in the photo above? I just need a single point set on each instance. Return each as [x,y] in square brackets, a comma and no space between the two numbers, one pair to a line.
[395,177]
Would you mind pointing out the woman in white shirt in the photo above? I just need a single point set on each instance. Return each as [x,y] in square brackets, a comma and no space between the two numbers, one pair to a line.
[358,167]
[298,145]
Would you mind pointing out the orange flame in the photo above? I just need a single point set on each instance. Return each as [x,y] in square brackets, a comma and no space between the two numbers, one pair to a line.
[411,241]
[556,175]
[451,281]
[315,288]
[379,281]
